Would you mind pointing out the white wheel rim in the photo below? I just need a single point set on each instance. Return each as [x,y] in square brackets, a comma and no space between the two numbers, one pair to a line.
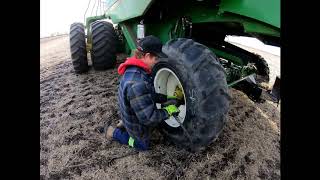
[165,83]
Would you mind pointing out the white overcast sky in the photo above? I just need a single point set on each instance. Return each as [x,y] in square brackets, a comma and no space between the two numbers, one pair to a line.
[56,16]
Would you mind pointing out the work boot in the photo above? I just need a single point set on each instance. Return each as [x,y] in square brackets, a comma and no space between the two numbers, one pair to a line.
[109,132]
[120,124]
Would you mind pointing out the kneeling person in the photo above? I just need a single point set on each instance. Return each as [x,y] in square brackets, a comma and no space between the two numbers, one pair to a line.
[137,97]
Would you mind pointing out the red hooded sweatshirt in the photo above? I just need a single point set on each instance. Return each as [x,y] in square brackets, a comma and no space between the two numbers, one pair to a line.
[133,61]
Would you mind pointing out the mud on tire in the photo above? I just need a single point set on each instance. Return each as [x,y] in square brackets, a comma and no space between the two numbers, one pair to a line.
[104,45]
[206,92]
[78,48]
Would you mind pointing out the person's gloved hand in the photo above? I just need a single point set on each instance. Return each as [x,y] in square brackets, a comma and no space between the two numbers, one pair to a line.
[171,97]
[172,100]
[172,110]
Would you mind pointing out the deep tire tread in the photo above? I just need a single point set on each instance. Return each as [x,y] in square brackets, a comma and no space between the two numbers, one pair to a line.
[104,43]
[78,48]
[203,74]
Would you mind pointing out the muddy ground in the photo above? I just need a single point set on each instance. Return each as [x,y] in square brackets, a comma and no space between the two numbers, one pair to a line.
[73,106]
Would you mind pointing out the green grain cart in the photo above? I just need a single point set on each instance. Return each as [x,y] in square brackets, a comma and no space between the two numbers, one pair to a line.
[201,64]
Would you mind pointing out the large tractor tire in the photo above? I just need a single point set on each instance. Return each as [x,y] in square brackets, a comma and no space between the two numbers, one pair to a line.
[262,68]
[195,71]
[78,48]
[104,45]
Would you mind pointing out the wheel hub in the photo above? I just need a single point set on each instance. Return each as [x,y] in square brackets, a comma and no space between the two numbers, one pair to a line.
[178,93]
[166,82]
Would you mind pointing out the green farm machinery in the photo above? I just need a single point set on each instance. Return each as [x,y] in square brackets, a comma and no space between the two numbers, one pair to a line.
[201,65]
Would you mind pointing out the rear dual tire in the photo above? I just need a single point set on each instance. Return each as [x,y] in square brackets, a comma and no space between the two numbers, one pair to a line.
[78,48]
[104,45]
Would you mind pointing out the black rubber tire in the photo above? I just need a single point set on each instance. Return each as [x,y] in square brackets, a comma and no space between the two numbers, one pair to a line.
[78,48]
[204,82]
[262,67]
[104,45]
